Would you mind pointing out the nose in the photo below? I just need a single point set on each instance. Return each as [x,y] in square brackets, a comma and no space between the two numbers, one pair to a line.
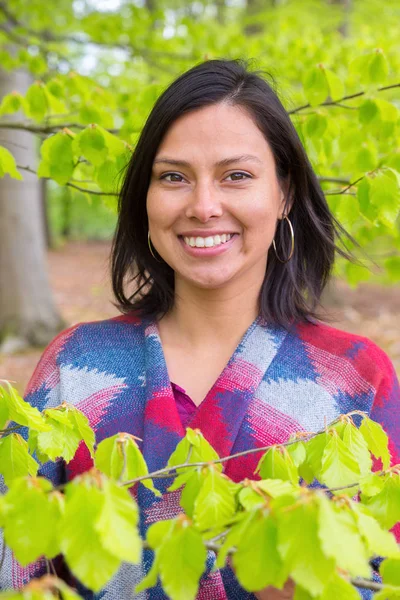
[204,203]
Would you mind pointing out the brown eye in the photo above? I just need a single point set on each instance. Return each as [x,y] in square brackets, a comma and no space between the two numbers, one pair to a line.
[175,177]
[239,176]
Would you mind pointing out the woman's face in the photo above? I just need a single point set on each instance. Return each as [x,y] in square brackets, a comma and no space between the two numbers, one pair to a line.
[214,199]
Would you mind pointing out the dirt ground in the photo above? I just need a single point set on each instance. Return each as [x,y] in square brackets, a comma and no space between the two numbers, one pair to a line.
[79,278]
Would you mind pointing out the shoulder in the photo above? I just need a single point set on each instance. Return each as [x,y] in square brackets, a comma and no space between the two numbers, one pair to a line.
[94,343]
[347,349]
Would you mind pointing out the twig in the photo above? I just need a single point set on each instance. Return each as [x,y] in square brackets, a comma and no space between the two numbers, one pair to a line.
[43,128]
[336,102]
[345,190]
[3,432]
[167,470]
[323,179]
[69,184]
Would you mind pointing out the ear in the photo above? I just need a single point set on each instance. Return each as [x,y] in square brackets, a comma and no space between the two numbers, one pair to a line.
[286,200]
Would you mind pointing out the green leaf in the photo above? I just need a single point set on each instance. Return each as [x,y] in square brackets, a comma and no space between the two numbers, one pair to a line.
[36,99]
[392,266]
[316,125]
[387,110]
[15,460]
[250,499]
[377,440]
[107,176]
[60,442]
[358,447]
[256,561]
[368,111]
[182,560]
[11,103]
[117,523]
[58,157]
[385,506]
[315,448]
[81,424]
[378,67]
[378,541]
[390,571]
[8,165]
[302,554]
[340,538]
[4,413]
[316,87]
[192,480]
[338,467]
[385,196]
[215,504]
[275,487]
[20,411]
[32,519]
[151,578]
[297,453]
[371,484]
[109,459]
[67,593]
[92,145]
[366,158]
[200,450]
[336,86]
[233,537]
[364,200]
[158,532]
[339,589]
[301,594]
[277,464]
[81,542]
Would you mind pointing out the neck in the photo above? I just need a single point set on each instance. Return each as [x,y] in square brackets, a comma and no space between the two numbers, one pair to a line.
[200,316]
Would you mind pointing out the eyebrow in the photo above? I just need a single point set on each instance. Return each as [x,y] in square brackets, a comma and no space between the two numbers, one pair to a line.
[221,163]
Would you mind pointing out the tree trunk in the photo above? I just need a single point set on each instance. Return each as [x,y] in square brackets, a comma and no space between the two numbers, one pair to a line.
[28,315]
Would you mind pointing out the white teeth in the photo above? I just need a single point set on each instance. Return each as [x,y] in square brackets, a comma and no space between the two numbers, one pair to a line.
[208,242]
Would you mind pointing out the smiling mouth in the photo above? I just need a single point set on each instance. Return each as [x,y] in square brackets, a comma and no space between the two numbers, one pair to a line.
[207,242]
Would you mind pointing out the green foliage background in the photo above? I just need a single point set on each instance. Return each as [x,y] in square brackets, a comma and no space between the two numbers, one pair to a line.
[98,72]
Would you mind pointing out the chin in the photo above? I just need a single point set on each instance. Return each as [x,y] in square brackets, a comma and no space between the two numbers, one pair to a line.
[208,282]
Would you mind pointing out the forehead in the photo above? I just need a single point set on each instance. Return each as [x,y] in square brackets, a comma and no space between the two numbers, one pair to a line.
[215,131]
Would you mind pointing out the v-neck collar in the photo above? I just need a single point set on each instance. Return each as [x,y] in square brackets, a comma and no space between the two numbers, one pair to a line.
[220,414]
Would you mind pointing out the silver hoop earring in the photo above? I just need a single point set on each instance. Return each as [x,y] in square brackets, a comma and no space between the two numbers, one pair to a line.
[150,248]
[291,242]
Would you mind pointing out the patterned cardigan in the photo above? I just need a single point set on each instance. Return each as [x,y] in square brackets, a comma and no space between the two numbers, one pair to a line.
[276,382]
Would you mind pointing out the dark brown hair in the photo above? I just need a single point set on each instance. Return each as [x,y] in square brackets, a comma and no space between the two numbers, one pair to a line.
[290,290]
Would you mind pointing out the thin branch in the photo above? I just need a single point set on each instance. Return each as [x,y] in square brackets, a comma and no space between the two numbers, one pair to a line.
[345,190]
[46,36]
[323,179]
[336,102]
[43,128]
[8,430]
[71,185]
[367,584]
[167,470]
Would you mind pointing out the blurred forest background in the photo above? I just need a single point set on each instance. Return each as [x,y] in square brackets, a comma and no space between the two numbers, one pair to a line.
[77,80]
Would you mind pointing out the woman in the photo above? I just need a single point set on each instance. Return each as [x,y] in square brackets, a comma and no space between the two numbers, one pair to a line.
[223,247]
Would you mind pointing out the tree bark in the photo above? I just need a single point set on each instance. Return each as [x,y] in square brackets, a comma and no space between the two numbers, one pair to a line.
[28,315]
